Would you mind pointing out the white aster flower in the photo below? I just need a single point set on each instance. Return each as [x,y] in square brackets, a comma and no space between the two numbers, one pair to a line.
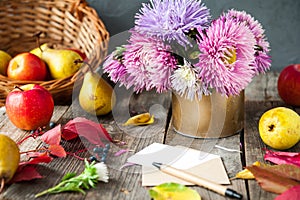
[102,172]
[185,82]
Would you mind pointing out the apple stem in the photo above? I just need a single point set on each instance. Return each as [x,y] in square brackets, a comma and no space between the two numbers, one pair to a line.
[18,88]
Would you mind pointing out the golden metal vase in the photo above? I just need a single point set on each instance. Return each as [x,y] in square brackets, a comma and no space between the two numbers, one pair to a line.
[214,116]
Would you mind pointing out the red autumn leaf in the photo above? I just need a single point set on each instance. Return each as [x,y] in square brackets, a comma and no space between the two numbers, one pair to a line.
[292,193]
[68,134]
[92,131]
[52,136]
[282,157]
[57,150]
[42,158]
[25,173]
[270,180]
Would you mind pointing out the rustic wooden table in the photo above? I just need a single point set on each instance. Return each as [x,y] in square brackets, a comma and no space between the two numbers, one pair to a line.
[125,183]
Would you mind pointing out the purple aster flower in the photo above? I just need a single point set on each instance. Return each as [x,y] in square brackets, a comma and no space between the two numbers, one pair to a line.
[262,61]
[149,63]
[113,65]
[171,20]
[226,54]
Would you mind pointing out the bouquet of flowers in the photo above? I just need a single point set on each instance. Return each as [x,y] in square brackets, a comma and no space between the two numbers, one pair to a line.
[176,45]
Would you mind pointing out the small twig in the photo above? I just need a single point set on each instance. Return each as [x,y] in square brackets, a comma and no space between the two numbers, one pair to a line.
[76,156]
[34,150]
[227,149]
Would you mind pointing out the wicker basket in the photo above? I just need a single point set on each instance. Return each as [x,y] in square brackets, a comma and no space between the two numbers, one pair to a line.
[66,23]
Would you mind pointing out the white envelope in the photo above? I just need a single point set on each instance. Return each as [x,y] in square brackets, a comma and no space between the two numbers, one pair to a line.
[205,165]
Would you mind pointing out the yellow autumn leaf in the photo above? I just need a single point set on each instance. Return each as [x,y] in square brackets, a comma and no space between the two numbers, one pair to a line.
[246,174]
[141,119]
[173,191]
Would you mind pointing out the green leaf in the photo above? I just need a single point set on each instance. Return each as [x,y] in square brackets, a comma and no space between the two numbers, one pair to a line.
[68,176]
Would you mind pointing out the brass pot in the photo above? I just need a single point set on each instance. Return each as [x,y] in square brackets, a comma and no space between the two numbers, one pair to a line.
[213,116]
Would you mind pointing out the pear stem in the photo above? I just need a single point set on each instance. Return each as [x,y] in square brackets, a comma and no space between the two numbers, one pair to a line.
[81,61]
[2,185]
[37,35]
[17,87]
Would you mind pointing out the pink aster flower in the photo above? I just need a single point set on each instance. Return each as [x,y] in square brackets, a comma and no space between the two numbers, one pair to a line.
[226,52]
[262,60]
[114,67]
[149,63]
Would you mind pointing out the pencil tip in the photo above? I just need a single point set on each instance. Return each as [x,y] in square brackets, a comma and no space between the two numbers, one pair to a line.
[156,164]
[233,194]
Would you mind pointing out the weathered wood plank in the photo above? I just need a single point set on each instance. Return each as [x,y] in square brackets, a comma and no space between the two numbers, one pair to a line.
[231,160]
[126,183]
[263,87]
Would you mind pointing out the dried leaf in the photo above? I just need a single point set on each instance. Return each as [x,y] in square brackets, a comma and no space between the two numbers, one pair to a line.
[285,170]
[282,157]
[271,181]
[292,193]
[25,173]
[141,119]
[57,150]
[246,174]
[92,131]
[52,136]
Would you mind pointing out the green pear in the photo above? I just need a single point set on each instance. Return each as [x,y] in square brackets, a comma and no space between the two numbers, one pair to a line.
[96,96]
[4,60]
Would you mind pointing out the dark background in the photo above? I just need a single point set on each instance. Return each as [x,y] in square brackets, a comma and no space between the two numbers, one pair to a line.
[279,18]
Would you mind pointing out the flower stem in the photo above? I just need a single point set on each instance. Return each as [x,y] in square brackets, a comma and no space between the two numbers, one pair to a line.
[50,190]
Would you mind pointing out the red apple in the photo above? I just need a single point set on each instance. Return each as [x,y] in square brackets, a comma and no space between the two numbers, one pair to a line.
[29,106]
[27,66]
[288,85]
[82,54]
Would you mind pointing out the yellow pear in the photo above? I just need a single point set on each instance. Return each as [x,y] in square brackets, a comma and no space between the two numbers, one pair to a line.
[9,159]
[279,128]
[4,60]
[39,50]
[61,62]
[96,96]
